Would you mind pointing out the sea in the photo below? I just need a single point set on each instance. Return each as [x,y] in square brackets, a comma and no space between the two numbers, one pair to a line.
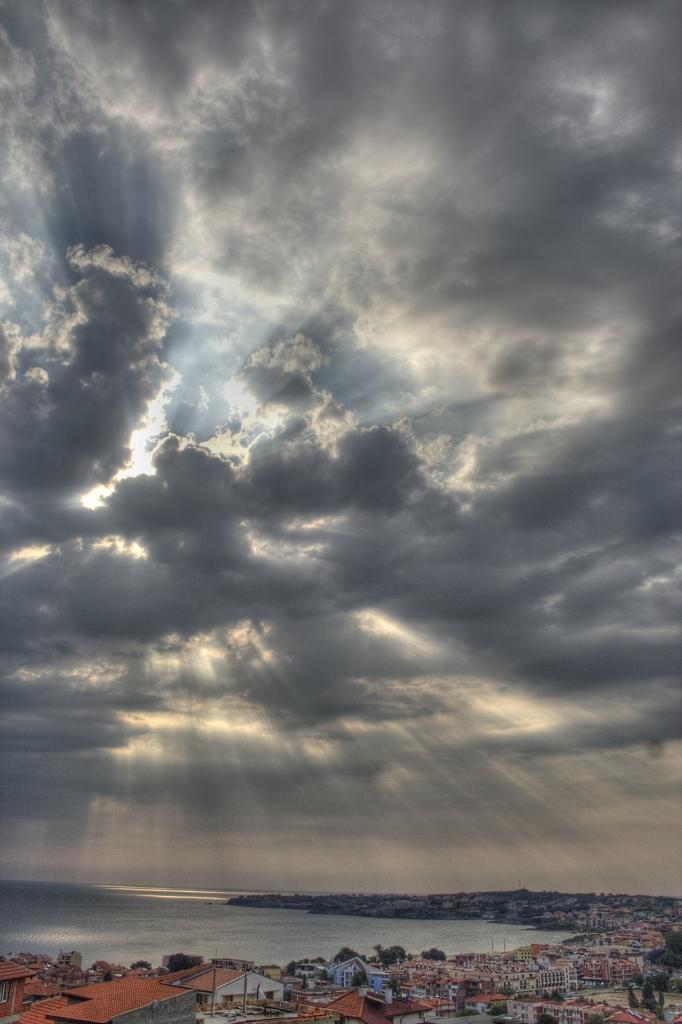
[121,924]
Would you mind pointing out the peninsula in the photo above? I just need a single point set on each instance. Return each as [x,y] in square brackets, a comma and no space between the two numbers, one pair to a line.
[572,911]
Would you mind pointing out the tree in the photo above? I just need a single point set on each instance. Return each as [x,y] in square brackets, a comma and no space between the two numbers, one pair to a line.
[648,1001]
[547,1018]
[390,955]
[181,961]
[290,969]
[671,954]
[359,978]
[144,964]
[108,976]
[433,954]
[346,953]
[497,1009]
[633,1001]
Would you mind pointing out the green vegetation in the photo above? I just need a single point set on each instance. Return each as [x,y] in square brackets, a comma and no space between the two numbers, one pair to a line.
[648,999]
[390,955]
[346,953]
[433,954]
[143,964]
[671,954]
[181,961]
[497,1009]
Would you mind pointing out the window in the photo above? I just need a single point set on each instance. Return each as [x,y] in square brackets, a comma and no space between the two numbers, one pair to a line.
[4,991]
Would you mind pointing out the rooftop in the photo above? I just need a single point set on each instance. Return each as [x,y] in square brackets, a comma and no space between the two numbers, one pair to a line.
[9,971]
[98,1003]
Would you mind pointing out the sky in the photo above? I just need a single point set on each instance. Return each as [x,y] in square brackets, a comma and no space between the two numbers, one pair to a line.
[339,443]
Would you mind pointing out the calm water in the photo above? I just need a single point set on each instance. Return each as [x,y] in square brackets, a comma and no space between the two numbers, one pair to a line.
[122,925]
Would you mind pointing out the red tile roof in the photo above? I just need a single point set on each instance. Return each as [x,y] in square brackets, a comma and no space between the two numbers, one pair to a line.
[100,1002]
[352,1004]
[371,1009]
[9,971]
[36,987]
[39,1011]
[630,1017]
[202,981]
[187,972]
[401,1006]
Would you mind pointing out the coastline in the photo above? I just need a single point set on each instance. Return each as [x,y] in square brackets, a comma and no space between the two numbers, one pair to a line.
[340,906]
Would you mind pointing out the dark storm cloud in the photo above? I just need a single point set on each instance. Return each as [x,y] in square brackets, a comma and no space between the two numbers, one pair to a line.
[403,521]
[68,414]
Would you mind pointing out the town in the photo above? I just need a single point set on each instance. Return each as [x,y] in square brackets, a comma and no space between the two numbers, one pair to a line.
[624,968]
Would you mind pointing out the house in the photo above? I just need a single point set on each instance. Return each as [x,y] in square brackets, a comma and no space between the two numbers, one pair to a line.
[35,990]
[133,1000]
[230,986]
[528,1011]
[631,1017]
[342,974]
[230,963]
[367,1007]
[12,980]
[70,959]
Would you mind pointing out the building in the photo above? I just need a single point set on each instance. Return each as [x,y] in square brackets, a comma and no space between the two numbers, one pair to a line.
[522,979]
[35,989]
[529,1011]
[12,980]
[342,974]
[364,1007]
[230,987]
[230,963]
[129,1000]
[71,959]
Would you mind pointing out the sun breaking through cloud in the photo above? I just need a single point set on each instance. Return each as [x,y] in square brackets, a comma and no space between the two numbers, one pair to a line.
[339,443]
